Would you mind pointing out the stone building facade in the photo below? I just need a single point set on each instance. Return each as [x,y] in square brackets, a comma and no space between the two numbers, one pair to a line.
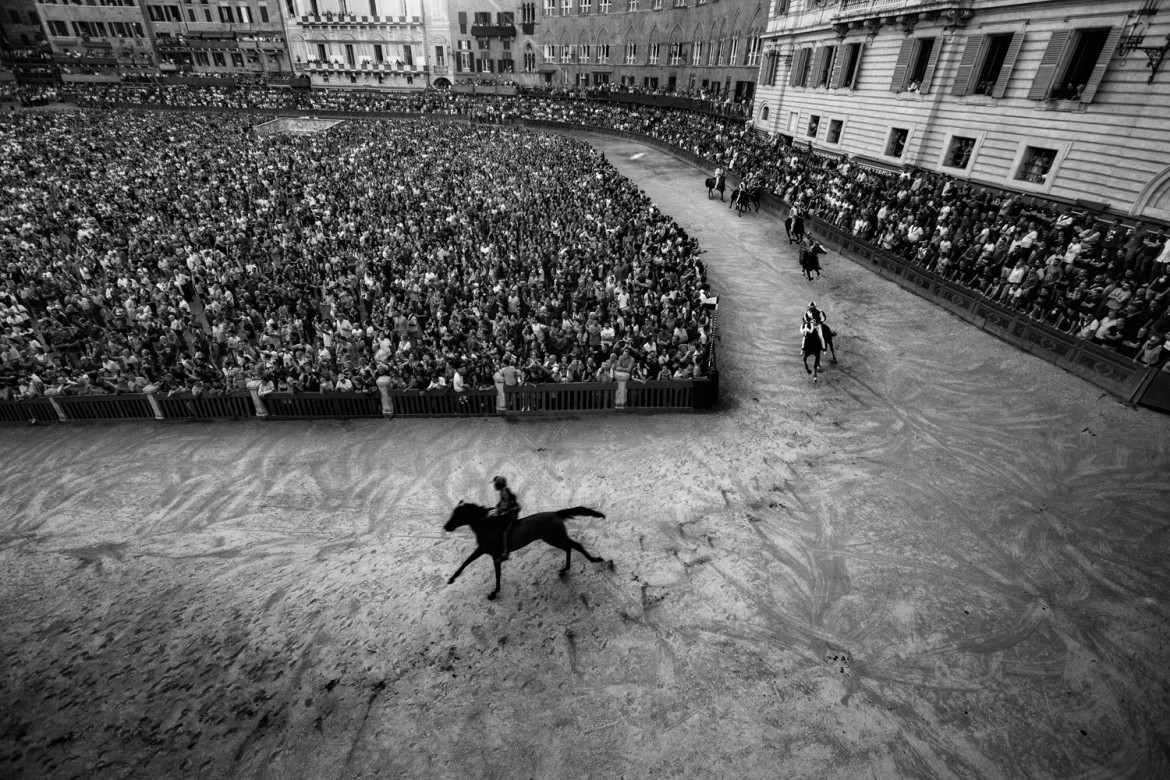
[1060,98]
[683,45]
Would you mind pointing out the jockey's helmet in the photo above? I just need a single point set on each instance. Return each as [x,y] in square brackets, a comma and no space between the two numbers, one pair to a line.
[500,483]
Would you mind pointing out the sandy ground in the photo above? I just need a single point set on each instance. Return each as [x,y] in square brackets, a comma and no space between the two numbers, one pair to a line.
[946,559]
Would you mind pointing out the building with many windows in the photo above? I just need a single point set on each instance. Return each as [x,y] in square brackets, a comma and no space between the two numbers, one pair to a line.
[369,43]
[1055,98]
[19,24]
[198,36]
[495,42]
[109,37]
[655,44]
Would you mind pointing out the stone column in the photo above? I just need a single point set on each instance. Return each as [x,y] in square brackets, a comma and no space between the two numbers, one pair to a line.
[619,396]
[501,397]
[254,389]
[384,383]
[150,392]
[58,409]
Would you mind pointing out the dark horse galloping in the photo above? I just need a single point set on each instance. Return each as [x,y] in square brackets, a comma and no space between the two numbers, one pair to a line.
[743,199]
[546,526]
[817,338]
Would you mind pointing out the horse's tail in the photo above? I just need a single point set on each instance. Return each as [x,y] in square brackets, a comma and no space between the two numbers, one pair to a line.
[579,511]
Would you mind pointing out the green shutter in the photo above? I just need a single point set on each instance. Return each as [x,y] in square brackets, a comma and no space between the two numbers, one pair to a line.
[899,80]
[928,76]
[1009,62]
[1047,70]
[966,73]
[1102,63]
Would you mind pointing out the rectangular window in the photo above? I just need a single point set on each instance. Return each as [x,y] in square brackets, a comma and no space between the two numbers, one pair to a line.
[483,43]
[631,57]
[585,7]
[191,15]
[633,5]
[373,9]
[734,53]
[1074,64]
[814,125]
[993,60]
[483,18]
[550,7]
[439,61]
[1036,165]
[58,27]
[824,66]
[772,70]
[675,54]
[915,66]
[225,14]
[603,8]
[201,58]
[408,55]
[603,53]
[654,49]
[245,14]
[959,153]
[322,53]
[656,5]
[237,59]
[834,135]
[801,67]
[847,66]
[753,52]
[697,53]
[566,7]
[173,14]
[218,59]
[263,14]
[155,13]
[379,55]
[896,145]
[349,58]
[586,51]
[529,62]
[506,18]
[986,64]
[463,23]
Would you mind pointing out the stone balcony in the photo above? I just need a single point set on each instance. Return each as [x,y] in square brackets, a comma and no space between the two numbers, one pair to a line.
[955,12]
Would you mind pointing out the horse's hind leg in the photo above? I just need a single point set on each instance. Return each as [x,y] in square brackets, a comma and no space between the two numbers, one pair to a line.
[492,595]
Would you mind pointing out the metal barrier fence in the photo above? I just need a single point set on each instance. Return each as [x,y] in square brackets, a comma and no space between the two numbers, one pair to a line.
[1121,376]
[570,398]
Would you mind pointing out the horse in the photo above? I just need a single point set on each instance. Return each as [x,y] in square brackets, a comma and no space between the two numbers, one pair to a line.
[810,259]
[816,339]
[709,183]
[548,527]
[743,198]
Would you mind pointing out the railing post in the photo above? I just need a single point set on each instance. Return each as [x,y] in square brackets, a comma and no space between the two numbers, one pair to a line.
[254,389]
[149,391]
[501,397]
[384,383]
[619,395]
[58,409]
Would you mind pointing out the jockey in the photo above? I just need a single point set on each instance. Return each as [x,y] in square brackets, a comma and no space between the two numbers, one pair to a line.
[814,315]
[508,508]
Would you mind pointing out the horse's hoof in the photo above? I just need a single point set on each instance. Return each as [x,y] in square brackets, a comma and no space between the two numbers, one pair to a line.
[562,573]
[492,596]
[451,581]
[609,565]
[807,371]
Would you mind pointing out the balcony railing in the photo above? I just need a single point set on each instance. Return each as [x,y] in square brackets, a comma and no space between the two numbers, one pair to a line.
[493,30]
[860,9]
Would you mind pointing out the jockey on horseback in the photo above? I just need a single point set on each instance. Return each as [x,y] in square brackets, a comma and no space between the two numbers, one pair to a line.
[508,508]
[813,318]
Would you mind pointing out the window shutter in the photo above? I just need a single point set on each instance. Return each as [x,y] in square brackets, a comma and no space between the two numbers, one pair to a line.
[839,66]
[962,85]
[818,63]
[1047,70]
[899,80]
[857,65]
[1102,63]
[928,76]
[792,74]
[1009,62]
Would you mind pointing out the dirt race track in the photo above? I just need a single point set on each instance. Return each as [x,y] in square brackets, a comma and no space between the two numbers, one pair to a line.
[946,559]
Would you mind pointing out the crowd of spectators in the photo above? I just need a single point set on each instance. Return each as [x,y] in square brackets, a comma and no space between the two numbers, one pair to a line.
[186,251]
[1106,282]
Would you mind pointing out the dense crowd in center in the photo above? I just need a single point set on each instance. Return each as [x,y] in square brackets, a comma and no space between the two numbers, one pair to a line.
[1104,281]
[186,251]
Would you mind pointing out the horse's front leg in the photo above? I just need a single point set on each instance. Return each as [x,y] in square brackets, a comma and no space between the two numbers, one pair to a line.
[492,595]
[475,554]
[806,368]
